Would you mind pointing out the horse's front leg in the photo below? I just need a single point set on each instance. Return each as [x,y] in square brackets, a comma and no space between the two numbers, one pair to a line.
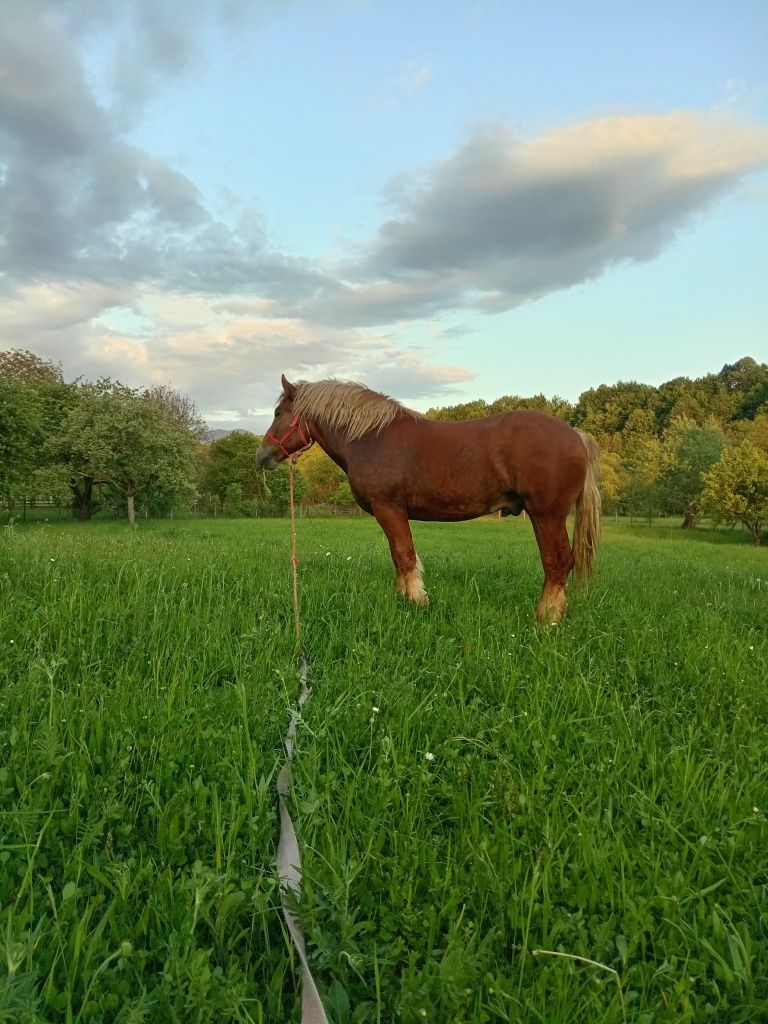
[394,523]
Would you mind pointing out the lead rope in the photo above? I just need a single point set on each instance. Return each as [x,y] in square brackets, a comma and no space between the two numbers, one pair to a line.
[288,854]
[295,563]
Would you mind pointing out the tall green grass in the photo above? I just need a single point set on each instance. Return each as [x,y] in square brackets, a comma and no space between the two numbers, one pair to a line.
[469,789]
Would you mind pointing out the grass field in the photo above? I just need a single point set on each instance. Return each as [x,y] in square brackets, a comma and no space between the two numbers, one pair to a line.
[469,789]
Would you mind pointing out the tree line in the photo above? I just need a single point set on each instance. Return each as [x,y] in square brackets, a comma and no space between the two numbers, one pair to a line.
[688,448]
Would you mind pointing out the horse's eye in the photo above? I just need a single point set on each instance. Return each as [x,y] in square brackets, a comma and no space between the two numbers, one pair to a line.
[277,413]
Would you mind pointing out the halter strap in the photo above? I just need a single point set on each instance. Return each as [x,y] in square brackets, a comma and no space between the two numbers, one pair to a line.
[294,427]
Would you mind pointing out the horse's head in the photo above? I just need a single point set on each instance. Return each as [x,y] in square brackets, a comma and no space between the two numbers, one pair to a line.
[288,435]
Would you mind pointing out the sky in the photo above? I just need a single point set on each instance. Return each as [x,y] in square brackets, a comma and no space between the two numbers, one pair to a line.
[445,200]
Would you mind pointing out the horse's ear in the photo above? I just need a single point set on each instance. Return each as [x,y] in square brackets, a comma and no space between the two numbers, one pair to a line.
[289,390]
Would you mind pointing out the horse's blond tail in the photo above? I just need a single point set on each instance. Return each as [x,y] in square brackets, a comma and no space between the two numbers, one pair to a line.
[586,530]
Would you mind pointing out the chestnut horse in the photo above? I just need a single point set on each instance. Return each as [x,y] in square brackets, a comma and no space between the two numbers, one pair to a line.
[403,466]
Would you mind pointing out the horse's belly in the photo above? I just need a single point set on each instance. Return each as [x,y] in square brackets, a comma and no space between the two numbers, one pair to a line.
[441,515]
[450,511]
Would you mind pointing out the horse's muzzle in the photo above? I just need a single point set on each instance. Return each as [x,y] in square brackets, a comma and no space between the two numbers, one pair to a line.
[265,459]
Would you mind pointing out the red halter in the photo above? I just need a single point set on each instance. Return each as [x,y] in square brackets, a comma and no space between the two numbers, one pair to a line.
[294,427]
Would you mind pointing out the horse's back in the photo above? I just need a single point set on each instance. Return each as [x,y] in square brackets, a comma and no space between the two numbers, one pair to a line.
[463,469]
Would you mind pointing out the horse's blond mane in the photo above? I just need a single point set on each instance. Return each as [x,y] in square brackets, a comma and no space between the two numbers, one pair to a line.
[347,406]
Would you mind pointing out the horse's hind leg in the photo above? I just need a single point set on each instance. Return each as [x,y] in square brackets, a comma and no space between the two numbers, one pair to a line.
[394,523]
[557,560]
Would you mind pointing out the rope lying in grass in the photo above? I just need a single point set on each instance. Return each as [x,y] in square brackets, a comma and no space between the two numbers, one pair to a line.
[288,855]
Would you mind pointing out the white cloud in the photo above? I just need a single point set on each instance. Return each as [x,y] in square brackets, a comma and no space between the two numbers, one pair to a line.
[415,76]
[505,220]
[116,265]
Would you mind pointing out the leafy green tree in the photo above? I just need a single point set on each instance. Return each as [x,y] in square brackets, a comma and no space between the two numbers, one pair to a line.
[464,411]
[691,451]
[321,476]
[643,463]
[743,376]
[234,498]
[126,440]
[231,459]
[276,498]
[33,402]
[736,488]
[343,497]
[606,410]
[180,408]
[610,480]
[754,430]
[21,434]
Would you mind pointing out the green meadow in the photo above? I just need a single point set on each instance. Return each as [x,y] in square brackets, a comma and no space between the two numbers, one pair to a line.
[499,822]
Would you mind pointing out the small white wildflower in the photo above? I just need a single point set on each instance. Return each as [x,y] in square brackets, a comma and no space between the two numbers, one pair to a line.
[755,810]
[327,553]
[375,710]
[349,558]
[429,756]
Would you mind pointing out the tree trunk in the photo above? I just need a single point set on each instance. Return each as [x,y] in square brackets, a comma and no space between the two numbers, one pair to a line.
[689,520]
[82,491]
[131,510]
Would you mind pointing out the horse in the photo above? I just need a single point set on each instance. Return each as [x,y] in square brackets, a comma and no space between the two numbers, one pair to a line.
[402,466]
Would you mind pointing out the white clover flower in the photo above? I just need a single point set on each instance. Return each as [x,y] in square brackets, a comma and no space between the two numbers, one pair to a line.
[375,710]
[429,756]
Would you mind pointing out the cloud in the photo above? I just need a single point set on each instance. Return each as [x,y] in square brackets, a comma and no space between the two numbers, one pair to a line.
[226,352]
[506,220]
[51,307]
[414,76]
[77,199]
[113,260]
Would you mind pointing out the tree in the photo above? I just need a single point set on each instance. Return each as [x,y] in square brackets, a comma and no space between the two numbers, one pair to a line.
[320,474]
[343,497]
[125,439]
[607,409]
[610,480]
[691,451]
[234,498]
[755,430]
[231,459]
[643,461]
[33,402]
[464,411]
[25,367]
[21,434]
[736,488]
[181,408]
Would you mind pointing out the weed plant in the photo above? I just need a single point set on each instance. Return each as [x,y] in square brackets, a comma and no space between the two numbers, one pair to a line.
[473,793]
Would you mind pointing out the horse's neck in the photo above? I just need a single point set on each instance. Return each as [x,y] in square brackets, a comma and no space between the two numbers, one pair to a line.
[331,441]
